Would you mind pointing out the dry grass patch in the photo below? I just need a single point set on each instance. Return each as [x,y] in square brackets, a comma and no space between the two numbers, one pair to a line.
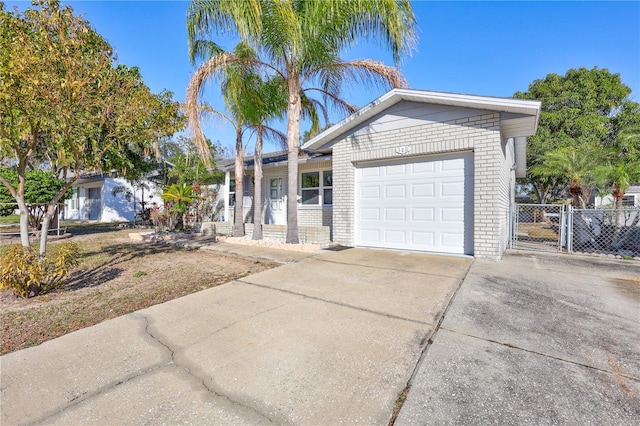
[115,277]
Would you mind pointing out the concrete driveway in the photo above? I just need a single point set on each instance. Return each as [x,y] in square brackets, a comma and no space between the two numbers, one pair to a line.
[535,339]
[333,338]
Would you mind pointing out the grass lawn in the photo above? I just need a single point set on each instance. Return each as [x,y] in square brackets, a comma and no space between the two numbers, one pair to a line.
[116,276]
[12,218]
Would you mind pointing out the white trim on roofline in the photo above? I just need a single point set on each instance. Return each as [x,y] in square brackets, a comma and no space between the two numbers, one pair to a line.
[510,105]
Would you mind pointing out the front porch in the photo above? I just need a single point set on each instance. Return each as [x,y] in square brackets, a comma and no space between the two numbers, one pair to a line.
[308,234]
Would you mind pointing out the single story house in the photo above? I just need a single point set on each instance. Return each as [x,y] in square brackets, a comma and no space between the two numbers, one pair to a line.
[106,198]
[413,170]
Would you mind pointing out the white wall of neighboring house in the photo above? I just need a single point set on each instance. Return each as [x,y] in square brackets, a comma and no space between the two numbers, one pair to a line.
[94,200]
[631,198]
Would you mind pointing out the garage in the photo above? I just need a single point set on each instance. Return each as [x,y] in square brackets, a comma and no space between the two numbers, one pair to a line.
[428,171]
[422,204]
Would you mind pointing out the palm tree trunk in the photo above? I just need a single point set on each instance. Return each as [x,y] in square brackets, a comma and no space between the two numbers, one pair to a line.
[257,188]
[293,141]
[238,220]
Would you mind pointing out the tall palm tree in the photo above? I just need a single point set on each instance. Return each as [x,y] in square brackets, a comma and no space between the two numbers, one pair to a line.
[301,41]
[238,83]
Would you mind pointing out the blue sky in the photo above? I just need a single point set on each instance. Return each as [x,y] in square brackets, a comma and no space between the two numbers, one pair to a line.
[483,48]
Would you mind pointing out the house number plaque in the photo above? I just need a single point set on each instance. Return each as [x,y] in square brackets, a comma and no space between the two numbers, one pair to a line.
[403,150]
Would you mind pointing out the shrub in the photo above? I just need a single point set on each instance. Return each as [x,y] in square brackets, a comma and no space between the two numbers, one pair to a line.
[22,270]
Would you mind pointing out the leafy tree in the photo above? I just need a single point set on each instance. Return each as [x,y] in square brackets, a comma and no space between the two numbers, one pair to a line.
[583,108]
[186,165]
[301,41]
[620,164]
[62,102]
[40,188]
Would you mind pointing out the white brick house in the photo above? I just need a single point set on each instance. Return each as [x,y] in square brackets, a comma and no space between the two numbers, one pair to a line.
[414,170]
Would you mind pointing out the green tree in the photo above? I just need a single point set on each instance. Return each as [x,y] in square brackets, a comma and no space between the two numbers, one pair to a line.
[40,187]
[187,166]
[63,103]
[301,42]
[583,108]
[620,164]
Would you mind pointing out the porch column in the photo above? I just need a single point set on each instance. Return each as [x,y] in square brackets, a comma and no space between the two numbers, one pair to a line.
[227,182]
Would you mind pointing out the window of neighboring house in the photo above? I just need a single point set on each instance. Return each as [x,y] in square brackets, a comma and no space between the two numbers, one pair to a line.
[316,188]
[73,202]
[629,201]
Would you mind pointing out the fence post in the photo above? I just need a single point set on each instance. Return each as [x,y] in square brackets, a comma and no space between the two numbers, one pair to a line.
[569,229]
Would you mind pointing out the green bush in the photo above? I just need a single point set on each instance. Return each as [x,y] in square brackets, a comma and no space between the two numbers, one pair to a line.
[22,270]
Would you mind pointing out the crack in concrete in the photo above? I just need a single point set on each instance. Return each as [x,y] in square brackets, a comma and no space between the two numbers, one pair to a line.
[201,379]
[510,346]
[344,305]
[87,396]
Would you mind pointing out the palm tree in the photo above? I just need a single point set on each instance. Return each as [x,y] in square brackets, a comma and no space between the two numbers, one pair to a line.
[237,85]
[572,165]
[300,41]
[179,197]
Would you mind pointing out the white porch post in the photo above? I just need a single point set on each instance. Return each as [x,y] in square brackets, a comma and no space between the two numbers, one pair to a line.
[227,183]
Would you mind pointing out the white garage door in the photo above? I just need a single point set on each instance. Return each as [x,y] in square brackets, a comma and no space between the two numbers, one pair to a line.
[423,204]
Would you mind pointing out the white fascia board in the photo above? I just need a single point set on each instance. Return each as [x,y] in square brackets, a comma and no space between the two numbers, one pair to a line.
[518,106]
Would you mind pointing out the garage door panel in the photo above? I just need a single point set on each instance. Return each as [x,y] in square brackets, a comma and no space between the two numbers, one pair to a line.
[395,214]
[423,190]
[416,204]
[371,172]
[422,238]
[371,214]
[395,191]
[452,215]
[395,170]
[452,189]
[451,240]
[371,236]
[422,214]
[395,237]
[370,191]
[452,165]
[423,168]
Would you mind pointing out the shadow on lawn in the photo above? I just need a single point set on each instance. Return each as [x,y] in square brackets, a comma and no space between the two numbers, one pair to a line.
[109,270]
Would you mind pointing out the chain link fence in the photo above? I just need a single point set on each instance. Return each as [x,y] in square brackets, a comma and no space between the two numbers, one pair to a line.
[604,231]
[537,227]
[552,227]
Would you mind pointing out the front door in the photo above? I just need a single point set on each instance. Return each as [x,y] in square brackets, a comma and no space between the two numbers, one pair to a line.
[276,213]
[94,203]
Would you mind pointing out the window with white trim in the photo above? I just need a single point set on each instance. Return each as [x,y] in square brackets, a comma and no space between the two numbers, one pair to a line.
[628,201]
[73,201]
[316,188]
[232,192]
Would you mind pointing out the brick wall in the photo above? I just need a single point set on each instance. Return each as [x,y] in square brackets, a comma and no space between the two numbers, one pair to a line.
[480,134]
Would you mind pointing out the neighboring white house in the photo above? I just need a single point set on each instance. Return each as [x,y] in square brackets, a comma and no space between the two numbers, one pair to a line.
[631,198]
[412,170]
[94,199]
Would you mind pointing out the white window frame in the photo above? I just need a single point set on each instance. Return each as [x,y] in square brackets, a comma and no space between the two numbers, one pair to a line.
[321,188]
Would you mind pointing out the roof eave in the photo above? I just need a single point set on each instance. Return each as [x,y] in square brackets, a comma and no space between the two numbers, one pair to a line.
[519,106]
